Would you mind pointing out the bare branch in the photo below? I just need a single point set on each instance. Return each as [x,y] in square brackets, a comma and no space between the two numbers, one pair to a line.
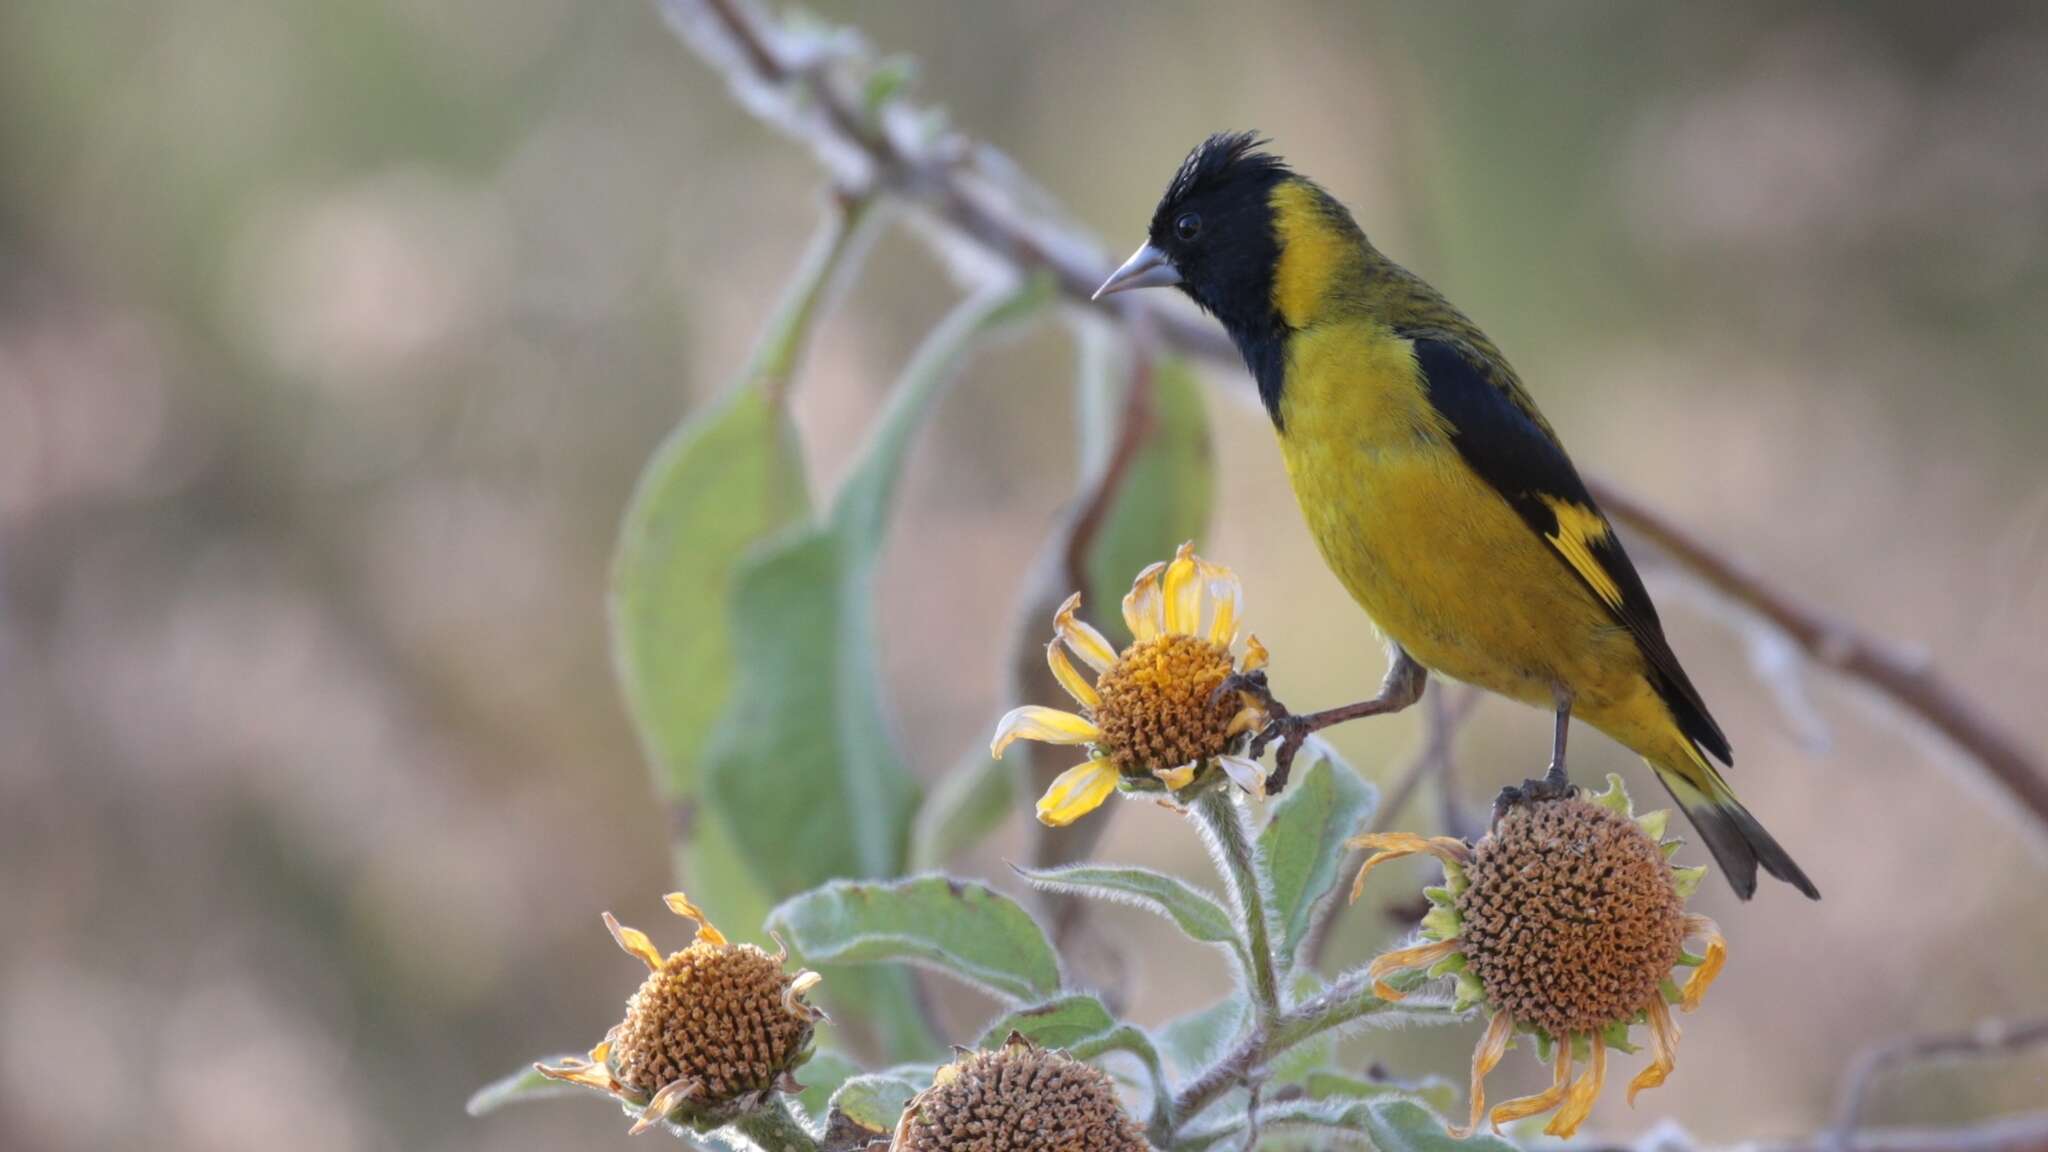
[958,185]
[1988,1038]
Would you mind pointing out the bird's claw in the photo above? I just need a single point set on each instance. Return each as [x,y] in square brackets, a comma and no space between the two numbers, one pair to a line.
[1253,687]
[1553,785]
[1289,731]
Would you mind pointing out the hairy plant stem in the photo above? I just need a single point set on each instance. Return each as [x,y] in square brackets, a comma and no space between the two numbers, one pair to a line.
[1218,813]
[773,1129]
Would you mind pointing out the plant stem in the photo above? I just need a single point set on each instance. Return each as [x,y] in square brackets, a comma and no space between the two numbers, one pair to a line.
[1218,813]
[773,1129]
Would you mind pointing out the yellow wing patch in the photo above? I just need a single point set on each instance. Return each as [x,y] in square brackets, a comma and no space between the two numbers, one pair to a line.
[1312,251]
[1578,529]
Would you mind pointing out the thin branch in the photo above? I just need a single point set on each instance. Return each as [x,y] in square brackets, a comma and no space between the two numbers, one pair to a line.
[969,202]
[1989,1038]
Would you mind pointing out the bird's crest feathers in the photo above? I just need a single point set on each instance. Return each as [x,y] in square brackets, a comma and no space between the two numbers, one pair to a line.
[1220,159]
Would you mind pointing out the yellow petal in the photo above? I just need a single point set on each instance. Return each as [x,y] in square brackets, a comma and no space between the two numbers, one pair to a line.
[1091,646]
[1247,718]
[635,942]
[681,906]
[1245,772]
[1144,608]
[1176,778]
[1491,1048]
[1512,1110]
[1710,967]
[1663,1048]
[1255,656]
[1070,677]
[1387,846]
[1050,725]
[575,1072]
[1183,593]
[1578,1103]
[1226,597]
[1078,791]
[1404,960]
[672,1093]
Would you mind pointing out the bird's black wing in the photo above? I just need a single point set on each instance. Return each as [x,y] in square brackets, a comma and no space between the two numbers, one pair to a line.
[1502,438]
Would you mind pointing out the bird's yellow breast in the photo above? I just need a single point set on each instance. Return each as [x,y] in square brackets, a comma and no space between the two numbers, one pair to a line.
[1434,555]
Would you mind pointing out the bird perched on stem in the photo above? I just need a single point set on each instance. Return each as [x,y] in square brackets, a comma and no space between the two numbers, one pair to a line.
[1436,491]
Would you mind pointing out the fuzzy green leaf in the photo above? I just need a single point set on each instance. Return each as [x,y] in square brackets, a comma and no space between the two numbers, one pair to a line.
[1196,913]
[968,930]
[525,1084]
[876,1101]
[1303,843]
[1388,1125]
[1194,1041]
[1058,1023]
[821,1077]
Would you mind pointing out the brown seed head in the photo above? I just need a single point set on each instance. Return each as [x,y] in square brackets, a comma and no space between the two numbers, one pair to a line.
[720,1014]
[1019,1099]
[1156,710]
[1570,921]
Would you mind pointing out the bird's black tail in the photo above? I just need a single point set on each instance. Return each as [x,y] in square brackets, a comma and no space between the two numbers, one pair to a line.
[1738,843]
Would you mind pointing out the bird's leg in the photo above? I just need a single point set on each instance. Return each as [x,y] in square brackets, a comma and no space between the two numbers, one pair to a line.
[1555,785]
[1402,687]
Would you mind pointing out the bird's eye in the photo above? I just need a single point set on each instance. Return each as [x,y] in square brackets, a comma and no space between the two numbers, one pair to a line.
[1188,226]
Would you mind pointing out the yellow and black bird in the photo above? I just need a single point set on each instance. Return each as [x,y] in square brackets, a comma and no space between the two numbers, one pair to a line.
[1437,492]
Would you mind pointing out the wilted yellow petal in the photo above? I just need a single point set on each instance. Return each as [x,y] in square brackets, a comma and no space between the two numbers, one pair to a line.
[1710,967]
[1404,960]
[1578,1103]
[1176,778]
[1663,1048]
[1183,593]
[1070,677]
[802,983]
[1226,599]
[681,906]
[1078,791]
[1245,772]
[588,1075]
[672,1093]
[1246,719]
[1510,1111]
[1387,846]
[1255,656]
[635,942]
[1091,646]
[1032,722]
[1144,608]
[1491,1048]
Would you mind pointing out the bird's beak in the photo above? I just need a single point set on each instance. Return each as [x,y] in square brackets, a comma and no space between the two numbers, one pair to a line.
[1148,267]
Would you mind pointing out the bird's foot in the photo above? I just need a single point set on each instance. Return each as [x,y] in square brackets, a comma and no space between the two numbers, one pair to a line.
[1553,785]
[1288,731]
[1251,687]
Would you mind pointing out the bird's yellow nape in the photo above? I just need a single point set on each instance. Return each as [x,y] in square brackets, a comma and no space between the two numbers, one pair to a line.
[1314,248]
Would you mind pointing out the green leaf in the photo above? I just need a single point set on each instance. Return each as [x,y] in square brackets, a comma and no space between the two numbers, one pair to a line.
[1196,912]
[968,930]
[876,1101]
[1194,1041]
[821,1077]
[1058,1023]
[526,1084]
[802,766]
[967,804]
[1303,843]
[1388,1124]
[1132,1040]
[1433,1090]
[1166,493]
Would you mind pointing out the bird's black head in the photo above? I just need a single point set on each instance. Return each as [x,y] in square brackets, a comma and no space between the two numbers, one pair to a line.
[1213,237]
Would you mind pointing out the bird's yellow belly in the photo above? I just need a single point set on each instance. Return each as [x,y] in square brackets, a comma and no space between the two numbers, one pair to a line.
[1450,573]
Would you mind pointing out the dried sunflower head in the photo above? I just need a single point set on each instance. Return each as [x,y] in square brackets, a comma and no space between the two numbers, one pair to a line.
[1152,716]
[1018,1098]
[713,1030]
[1565,922]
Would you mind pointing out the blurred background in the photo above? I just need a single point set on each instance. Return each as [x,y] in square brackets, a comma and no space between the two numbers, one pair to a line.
[332,337]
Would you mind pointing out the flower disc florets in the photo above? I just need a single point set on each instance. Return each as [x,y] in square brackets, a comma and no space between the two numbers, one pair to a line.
[1159,707]
[1565,921]
[712,1031]
[1570,918]
[1152,716]
[1018,1098]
